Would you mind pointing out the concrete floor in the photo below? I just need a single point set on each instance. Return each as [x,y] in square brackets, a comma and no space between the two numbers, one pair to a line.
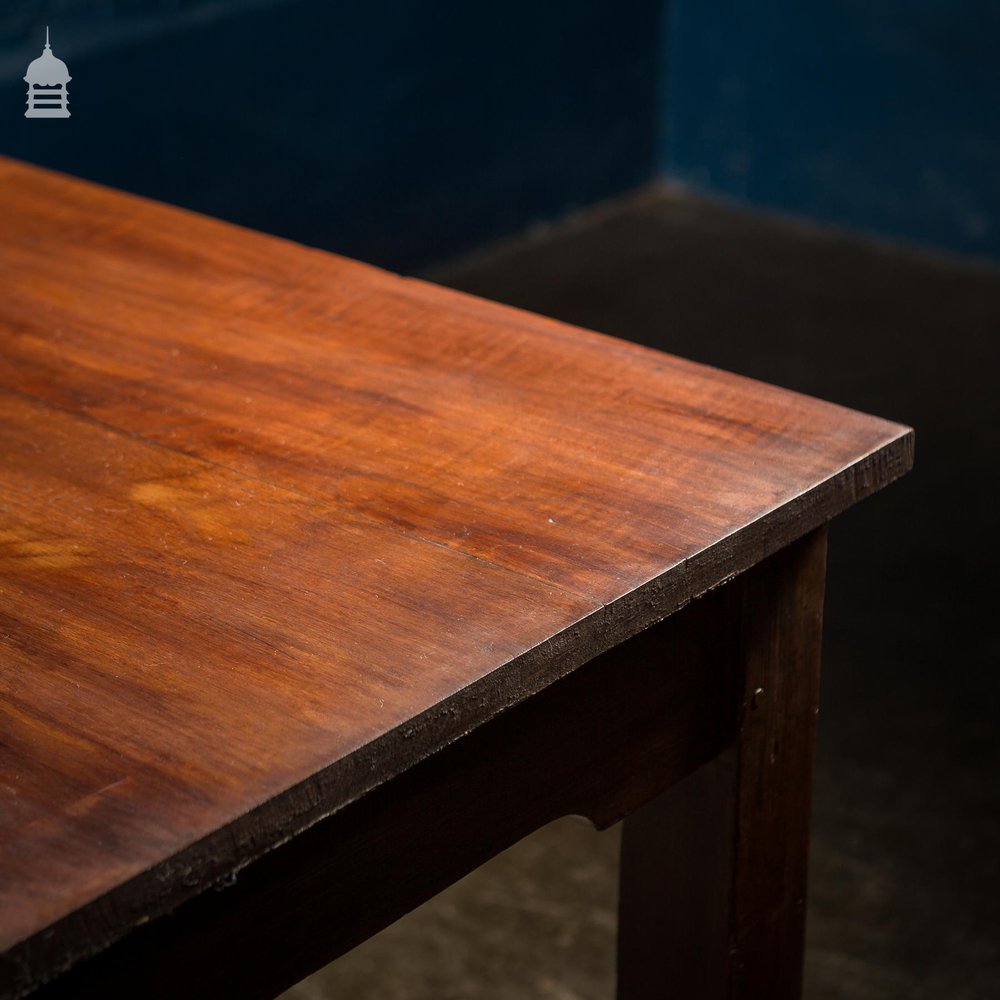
[905,887]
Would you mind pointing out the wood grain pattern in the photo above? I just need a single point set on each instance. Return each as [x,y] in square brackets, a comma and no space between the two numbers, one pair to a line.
[275,526]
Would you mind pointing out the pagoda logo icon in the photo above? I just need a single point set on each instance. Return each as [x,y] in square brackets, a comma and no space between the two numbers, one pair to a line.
[47,78]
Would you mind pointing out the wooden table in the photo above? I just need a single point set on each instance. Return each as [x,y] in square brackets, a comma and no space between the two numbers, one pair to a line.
[319,586]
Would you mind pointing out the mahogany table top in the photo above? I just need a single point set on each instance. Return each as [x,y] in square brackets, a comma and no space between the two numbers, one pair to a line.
[275,525]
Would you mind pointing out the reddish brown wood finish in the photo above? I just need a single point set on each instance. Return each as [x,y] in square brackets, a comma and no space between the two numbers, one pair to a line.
[275,526]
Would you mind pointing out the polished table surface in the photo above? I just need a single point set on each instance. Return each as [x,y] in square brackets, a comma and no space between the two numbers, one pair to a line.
[276,525]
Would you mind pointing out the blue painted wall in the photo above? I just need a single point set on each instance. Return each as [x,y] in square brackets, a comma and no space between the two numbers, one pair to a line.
[390,130]
[404,132]
[882,115]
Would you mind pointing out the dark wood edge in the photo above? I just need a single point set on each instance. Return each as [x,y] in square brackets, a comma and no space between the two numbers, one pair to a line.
[599,743]
[221,855]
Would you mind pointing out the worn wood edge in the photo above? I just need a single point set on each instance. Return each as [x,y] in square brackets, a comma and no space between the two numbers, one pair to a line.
[217,858]
[596,744]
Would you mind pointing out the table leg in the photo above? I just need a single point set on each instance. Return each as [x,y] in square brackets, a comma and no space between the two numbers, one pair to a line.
[713,872]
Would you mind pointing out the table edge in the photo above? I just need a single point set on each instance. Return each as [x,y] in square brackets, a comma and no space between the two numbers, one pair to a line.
[29,963]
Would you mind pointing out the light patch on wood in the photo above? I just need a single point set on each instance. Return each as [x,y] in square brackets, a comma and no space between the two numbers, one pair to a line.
[22,549]
[193,503]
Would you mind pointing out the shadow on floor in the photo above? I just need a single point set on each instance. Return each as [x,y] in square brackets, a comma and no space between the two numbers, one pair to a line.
[905,893]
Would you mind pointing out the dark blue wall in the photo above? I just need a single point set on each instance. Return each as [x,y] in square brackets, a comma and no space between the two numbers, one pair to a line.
[403,132]
[393,131]
[882,115]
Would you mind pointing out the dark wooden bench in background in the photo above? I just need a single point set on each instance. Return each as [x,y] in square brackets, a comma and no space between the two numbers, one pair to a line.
[319,586]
